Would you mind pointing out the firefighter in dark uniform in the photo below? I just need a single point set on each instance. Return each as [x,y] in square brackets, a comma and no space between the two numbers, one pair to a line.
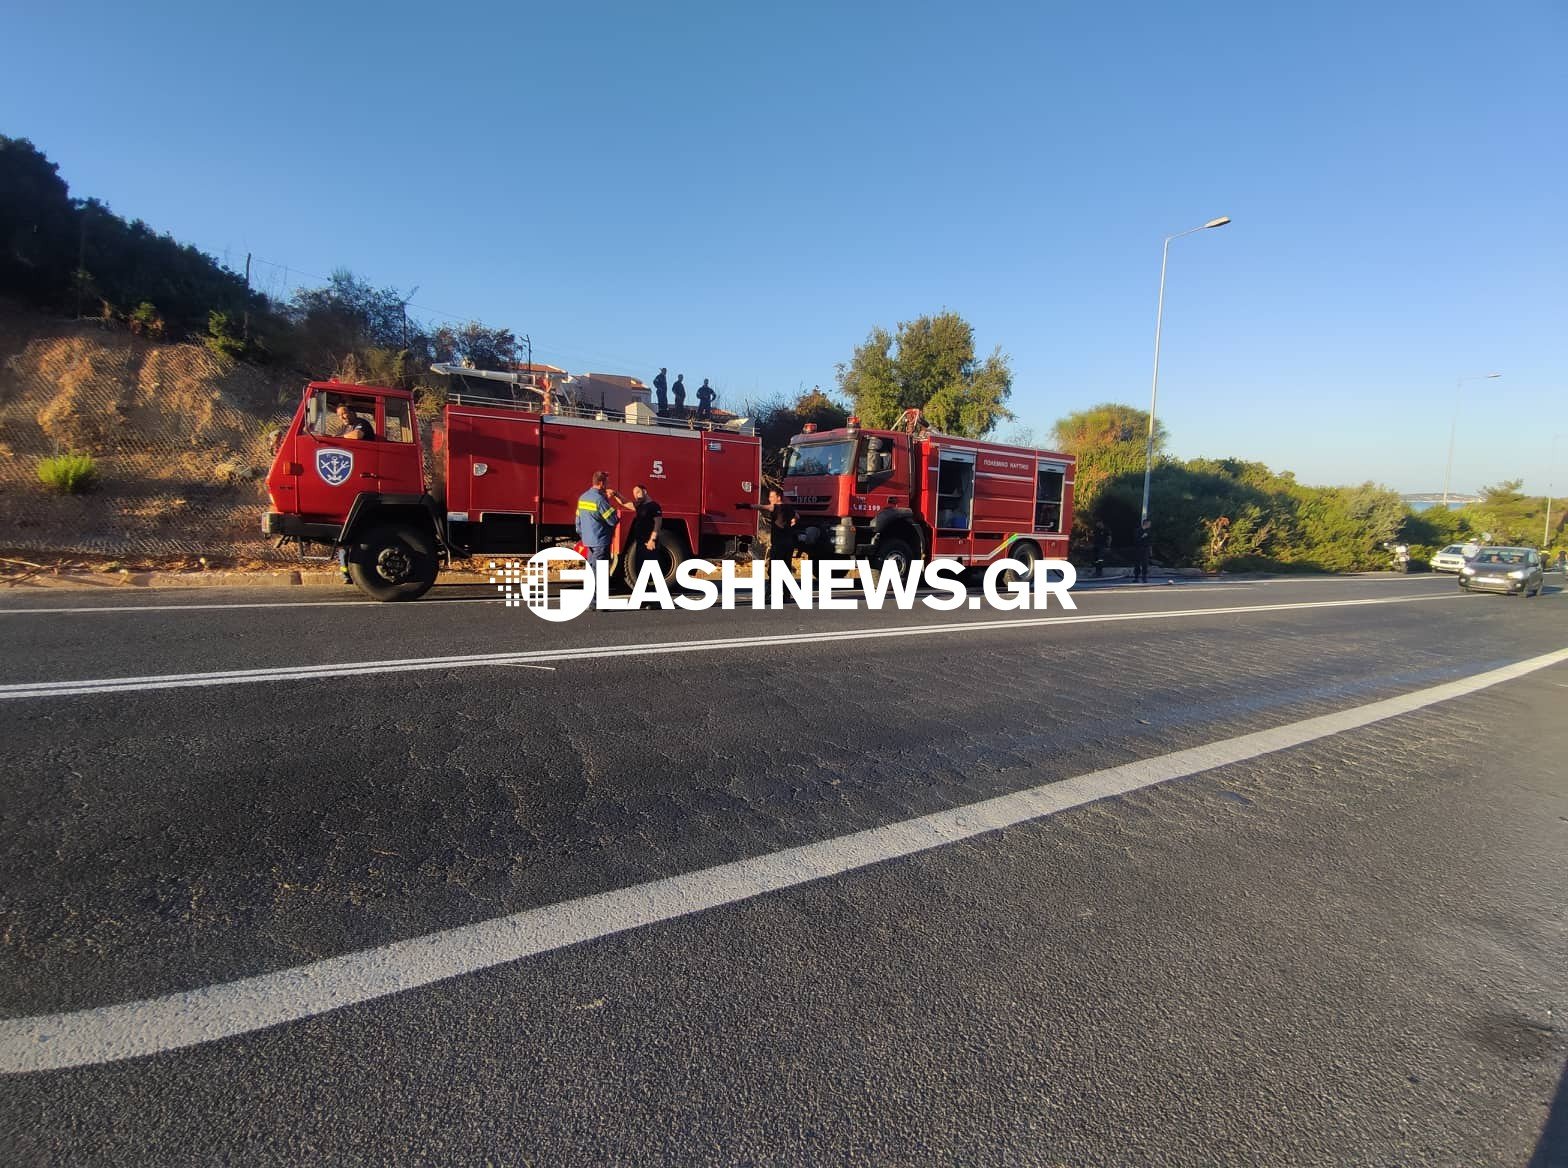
[647,522]
[781,528]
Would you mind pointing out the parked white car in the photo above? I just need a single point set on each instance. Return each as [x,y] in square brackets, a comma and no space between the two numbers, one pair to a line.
[1450,559]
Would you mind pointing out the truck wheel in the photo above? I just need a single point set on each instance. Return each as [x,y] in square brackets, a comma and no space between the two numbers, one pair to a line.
[393,563]
[670,551]
[892,551]
[1026,554]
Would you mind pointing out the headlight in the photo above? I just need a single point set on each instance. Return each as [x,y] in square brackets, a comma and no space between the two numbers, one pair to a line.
[1518,574]
[1467,571]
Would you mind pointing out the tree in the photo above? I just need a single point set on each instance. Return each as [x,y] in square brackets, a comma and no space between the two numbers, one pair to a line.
[779,420]
[1109,425]
[483,347]
[929,365]
[1110,442]
[1508,515]
[38,226]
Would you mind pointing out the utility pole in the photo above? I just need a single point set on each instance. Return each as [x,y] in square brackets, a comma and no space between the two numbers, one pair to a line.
[1453,427]
[1546,533]
[81,262]
[1154,388]
[247,298]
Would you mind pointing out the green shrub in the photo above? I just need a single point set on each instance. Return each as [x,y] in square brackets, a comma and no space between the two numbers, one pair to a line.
[68,473]
[223,336]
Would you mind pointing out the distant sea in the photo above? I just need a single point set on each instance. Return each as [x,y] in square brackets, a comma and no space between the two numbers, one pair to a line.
[1425,503]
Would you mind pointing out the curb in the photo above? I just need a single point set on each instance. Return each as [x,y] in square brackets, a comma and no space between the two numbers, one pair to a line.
[282,578]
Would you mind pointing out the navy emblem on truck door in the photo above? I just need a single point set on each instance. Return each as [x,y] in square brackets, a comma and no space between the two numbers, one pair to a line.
[334,466]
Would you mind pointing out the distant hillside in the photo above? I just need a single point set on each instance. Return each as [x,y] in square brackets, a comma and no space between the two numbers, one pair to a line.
[178,434]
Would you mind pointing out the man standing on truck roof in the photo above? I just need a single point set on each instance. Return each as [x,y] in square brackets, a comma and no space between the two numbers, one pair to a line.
[679,389]
[596,518]
[705,396]
[661,392]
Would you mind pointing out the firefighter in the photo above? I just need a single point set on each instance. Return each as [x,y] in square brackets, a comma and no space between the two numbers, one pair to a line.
[354,426]
[679,390]
[647,522]
[705,396]
[781,528]
[1102,543]
[1143,545]
[661,392]
[596,518]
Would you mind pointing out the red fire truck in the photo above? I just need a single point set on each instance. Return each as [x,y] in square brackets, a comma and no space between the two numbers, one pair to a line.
[509,476]
[914,493]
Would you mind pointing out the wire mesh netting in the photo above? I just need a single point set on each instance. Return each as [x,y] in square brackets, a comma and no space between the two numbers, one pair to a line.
[177,437]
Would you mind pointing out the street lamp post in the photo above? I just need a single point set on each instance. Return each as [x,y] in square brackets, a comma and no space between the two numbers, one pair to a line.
[1159,317]
[1453,428]
[1551,469]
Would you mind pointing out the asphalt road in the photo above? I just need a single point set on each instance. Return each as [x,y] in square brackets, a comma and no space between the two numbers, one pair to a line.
[442,883]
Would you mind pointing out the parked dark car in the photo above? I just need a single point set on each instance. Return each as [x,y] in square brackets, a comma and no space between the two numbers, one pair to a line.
[1513,570]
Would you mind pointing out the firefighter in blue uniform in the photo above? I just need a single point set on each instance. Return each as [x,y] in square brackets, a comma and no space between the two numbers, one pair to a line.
[597,516]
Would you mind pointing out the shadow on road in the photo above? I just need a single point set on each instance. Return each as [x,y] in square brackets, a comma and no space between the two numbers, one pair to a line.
[1552,1151]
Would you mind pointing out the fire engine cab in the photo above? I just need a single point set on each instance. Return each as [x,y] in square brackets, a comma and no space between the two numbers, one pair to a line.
[914,493]
[349,474]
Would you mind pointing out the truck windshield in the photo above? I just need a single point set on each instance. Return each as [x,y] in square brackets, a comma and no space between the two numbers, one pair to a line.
[821,458]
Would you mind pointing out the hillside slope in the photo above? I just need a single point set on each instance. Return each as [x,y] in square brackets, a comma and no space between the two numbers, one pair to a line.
[178,433]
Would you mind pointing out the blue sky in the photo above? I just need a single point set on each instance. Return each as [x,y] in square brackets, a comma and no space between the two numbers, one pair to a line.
[742,191]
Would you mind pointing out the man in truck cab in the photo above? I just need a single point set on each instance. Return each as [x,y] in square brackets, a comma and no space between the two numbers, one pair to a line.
[597,517]
[354,426]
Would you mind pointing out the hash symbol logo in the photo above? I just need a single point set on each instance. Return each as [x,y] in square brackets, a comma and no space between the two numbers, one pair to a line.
[509,578]
[334,466]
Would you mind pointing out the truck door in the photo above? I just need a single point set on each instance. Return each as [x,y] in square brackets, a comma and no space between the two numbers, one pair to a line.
[955,491]
[332,470]
[400,469]
[731,476]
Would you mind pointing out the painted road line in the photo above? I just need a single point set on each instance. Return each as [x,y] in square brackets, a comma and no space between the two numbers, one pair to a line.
[360,604]
[155,1025]
[16,691]
[354,601]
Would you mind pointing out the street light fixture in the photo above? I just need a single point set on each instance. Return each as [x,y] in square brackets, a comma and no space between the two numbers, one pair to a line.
[1453,428]
[1159,317]
[1551,468]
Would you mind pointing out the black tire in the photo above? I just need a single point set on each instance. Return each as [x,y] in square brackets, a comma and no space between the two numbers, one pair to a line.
[895,551]
[670,549]
[1026,554]
[393,563]
[1463,587]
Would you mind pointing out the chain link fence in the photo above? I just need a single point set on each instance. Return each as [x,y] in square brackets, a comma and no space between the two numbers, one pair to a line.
[177,434]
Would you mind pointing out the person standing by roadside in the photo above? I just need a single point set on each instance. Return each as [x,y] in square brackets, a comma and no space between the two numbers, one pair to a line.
[1562,561]
[596,518]
[1143,545]
[1102,543]
[661,392]
[781,528]
[642,539]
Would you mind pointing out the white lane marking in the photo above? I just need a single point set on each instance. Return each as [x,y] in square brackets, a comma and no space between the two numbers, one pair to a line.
[154,1025]
[346,602]
[353,601]
[521,665]
[110,685]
